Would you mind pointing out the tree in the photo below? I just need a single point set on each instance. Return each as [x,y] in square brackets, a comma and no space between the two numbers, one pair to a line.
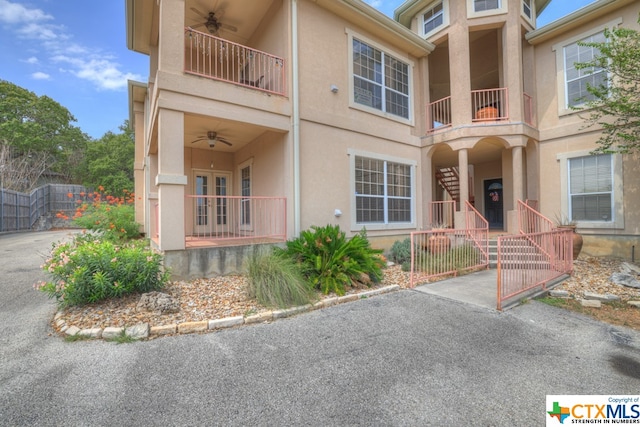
[36,137]
[616,103]
[108,162]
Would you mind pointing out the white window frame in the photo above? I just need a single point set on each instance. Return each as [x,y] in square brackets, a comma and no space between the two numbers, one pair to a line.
[245,226]
[386,225]
[559,49]
[351,35]
[531,6]
[471,9]
[617,199]
[444,14]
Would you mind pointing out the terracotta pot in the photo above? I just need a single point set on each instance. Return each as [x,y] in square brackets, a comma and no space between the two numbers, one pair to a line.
[438,244]
[577,240]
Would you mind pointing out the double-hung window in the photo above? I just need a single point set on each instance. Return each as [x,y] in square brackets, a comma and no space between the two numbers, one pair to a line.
[383,191]
[380,81]
[432,18]
[591,188]
[577,81]
[482,5]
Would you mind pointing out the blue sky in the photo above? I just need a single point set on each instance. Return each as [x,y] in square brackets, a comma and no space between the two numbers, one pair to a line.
[75,52]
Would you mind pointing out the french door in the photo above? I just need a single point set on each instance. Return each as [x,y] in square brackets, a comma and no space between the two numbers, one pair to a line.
[211,213]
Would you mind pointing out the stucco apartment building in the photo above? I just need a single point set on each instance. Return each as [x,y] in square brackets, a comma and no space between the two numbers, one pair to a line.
[263,118]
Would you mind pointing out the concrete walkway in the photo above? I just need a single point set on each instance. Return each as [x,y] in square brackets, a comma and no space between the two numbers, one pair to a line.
[477,288]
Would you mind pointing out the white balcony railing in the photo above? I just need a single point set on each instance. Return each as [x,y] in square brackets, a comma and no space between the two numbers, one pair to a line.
[219,59]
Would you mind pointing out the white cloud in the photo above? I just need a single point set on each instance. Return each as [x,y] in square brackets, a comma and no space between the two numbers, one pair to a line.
[15,13]
[103,73]
[84,62]
[374,3]
[41,76]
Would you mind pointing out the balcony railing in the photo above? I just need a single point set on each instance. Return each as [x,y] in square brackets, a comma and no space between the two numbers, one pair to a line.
[236,218]
[439,114]
[490,105]
[219,59]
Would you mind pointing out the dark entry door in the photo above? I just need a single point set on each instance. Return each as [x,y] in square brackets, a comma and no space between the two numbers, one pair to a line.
[493,203]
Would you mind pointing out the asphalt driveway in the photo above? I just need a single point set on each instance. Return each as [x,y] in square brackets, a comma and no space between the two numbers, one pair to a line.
[406,358]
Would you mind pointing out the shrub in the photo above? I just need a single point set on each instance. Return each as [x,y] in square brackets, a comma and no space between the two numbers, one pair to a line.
[331,262]
[459,258]
[400,251]
[87,270]
[276,281]
[113,218]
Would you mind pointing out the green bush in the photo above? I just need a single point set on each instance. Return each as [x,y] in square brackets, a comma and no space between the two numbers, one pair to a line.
[458,258]
[400,251]
[276,281]
[87,270]
[331,262]
[113,218]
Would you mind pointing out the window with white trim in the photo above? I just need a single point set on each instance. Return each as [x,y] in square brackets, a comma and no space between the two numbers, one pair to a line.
[591,188]
[380,81]
[482,5]
[383,191]
[526,8]
[577,81]
[433,18]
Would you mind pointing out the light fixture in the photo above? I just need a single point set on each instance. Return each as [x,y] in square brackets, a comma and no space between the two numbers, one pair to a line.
[212,137]
[334,88]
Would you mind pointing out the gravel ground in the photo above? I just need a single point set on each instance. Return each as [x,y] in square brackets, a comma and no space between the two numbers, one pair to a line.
[592,274]
[215,298]
[200,299]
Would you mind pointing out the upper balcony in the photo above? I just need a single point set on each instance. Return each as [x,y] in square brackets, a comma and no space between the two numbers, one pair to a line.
[487,106]
[215,58]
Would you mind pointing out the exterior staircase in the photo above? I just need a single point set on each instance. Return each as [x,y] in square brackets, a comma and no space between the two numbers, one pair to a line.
[516,255]
[449,179]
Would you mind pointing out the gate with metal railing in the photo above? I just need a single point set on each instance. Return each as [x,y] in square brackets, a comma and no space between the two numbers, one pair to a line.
[533,258]
[440,253]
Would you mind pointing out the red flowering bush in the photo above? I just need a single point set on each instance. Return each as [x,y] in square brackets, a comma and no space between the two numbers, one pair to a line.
[110,216]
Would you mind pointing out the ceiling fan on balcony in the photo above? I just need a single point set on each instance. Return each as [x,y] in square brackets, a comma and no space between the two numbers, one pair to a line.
[212,22]
[212,138]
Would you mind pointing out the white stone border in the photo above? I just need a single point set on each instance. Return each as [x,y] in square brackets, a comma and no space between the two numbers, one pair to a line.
[143,330]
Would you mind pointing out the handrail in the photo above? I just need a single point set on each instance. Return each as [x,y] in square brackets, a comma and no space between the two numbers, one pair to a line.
[216,58]
[532,221]
[439,114]
[490,105]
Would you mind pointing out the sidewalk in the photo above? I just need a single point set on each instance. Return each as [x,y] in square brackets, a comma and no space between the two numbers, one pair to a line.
[477,288]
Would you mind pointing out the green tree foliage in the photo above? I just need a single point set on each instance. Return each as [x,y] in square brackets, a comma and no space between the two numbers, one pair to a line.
[109,162]
[616,105]
[36,130]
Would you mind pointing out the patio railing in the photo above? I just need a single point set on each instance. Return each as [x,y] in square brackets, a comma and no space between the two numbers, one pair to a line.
[217,218]
[441,213]
[530,220]
[215,58]
[490,105]
[527,261]
[439,114]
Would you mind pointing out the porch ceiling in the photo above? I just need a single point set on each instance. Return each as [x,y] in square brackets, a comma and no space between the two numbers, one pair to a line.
[483,152]
[245,15]
[237,133]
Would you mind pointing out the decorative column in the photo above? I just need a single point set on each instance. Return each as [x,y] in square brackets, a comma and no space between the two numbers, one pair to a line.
[171,180]
[518,177]
[463,166]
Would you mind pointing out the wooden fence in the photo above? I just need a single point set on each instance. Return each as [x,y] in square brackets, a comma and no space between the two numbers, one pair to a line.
[21,211]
